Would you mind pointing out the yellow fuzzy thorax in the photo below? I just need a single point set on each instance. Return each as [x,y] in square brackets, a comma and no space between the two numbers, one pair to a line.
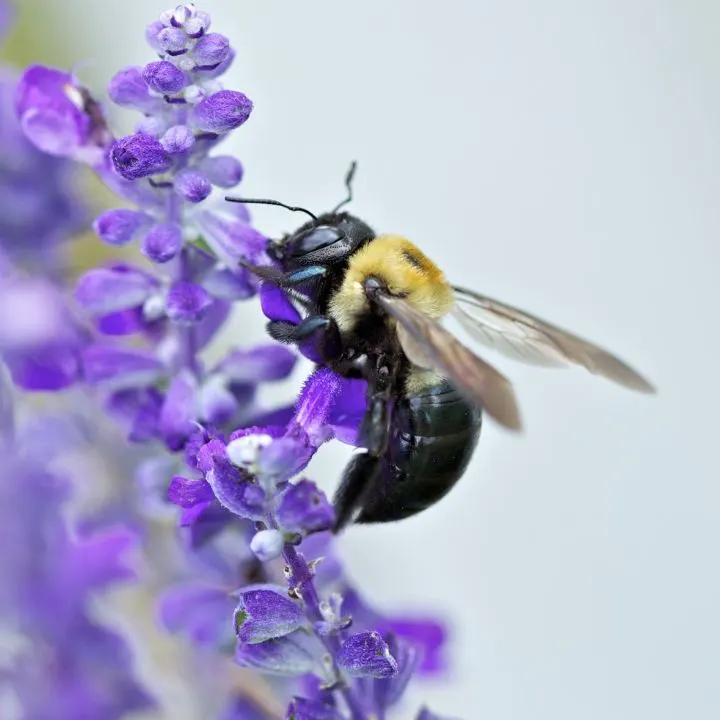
[402,268]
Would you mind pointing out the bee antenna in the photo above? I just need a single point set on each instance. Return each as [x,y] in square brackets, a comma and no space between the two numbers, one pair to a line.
[348,184]
[256,201]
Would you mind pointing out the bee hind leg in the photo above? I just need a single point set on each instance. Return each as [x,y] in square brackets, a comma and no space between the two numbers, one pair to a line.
[321,330]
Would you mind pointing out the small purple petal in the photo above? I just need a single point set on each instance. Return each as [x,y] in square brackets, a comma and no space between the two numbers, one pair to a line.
[179,410]
[106,365]
[164,77]
[119,227]
[124,322]
[44,368]
[211,50]
[104,556]
[162,242]
[212,322]
[348,410]
[267,544]
[192,185]
[266,612]
[178,139]
[230,239]
[222,68]
[238,495]
[152,34]
[315,403]
[188,493]
[366,654]
[128,89]
[303,709]
[242,708]
[276,305]
[217,404]
[200,613]
[137,410]
[137,156]
[106,290]
[429,635]
[52,113]
[187,303]
[388,691]
[265,363]
[172,39]
[305,509]
[280,656]
[226,284]
[221,112]
[222,170]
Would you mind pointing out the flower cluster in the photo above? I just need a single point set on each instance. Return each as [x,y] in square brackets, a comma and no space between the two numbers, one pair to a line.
[262,578]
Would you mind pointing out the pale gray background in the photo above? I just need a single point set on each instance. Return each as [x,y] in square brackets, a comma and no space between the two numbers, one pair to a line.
[562,156]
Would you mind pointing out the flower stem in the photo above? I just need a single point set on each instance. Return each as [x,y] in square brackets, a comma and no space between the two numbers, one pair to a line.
[302,579]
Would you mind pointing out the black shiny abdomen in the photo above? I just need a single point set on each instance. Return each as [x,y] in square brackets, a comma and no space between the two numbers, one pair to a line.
[432,437]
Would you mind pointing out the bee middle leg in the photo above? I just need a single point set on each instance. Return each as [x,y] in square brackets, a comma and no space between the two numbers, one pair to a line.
[361,473]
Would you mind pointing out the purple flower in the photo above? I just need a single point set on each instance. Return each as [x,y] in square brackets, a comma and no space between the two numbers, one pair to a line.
[224,171]
[106,290]
[366,654]
[264,613]
[178,139]
[60,117]
[210,51]
[303,709]
[267,544]
[138,156]
[222,112]
[128,88]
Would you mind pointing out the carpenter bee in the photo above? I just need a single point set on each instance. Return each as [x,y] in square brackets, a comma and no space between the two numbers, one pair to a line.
[372,306]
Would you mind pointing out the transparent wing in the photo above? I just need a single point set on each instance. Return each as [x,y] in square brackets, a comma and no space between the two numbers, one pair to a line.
[527,338]
[428,344]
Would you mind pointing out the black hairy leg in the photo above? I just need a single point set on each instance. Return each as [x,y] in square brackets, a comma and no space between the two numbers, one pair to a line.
[320,329]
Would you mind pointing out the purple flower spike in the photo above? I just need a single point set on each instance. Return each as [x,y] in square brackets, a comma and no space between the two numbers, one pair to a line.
[187,303]
[54,115]
[138,156]
[164,77]
[162,242]
[210,51]
[366,654]
[128,89]
[305,509]
[223,170]
[178,139]
[118,227]
[266,612]
[281,656]
[222,112]
[192,185]
[267,544]
[106,290]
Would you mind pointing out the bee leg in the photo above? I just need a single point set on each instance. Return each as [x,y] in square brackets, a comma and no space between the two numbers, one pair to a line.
[323,330]
[359,477]
[303,276]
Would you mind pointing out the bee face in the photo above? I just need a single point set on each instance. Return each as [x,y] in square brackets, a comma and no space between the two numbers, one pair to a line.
[329,241]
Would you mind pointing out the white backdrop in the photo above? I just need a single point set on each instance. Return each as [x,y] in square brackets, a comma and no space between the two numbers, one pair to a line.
[562,156]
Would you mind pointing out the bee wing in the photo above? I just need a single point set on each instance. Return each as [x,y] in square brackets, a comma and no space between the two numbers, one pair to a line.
[527,338]
[428,344]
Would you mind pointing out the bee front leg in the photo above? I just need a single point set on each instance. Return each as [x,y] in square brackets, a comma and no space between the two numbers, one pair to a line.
[318,328]
[361,473]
